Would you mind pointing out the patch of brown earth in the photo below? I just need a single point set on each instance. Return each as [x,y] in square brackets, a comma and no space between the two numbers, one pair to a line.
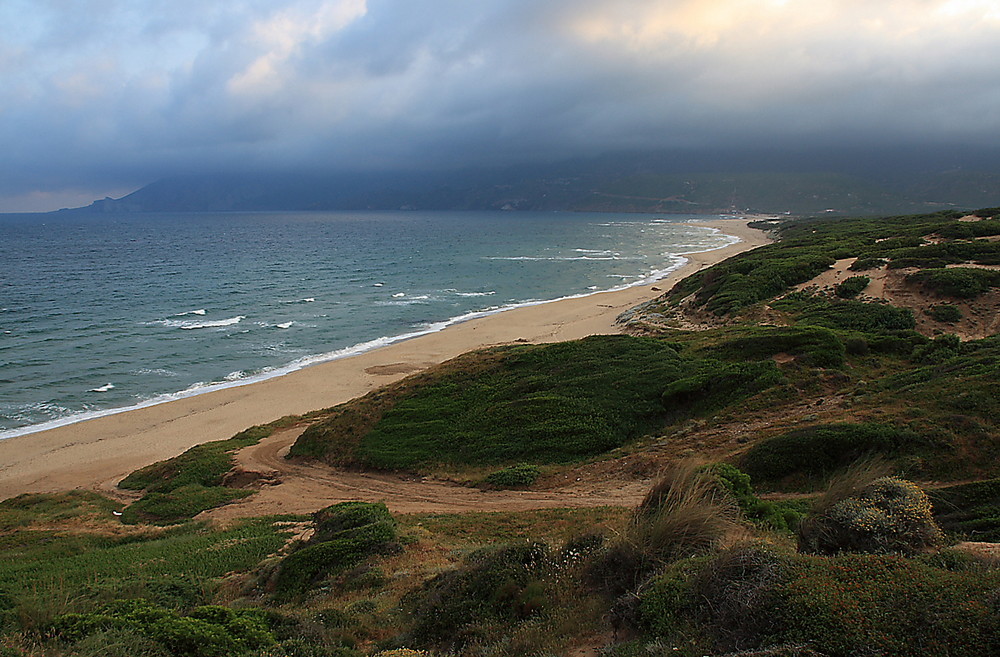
[304,487]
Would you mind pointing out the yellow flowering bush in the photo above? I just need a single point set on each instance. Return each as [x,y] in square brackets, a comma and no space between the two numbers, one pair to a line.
[888,515]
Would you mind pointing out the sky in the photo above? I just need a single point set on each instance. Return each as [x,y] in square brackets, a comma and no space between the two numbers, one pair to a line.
[99,97]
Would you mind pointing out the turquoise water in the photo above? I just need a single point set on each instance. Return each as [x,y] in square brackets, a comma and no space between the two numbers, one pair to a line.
[99,313]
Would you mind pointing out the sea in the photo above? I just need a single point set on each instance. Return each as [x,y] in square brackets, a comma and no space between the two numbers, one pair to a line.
[103,313]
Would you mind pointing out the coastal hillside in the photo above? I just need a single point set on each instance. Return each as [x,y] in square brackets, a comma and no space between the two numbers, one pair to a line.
[791,453]
[624,183]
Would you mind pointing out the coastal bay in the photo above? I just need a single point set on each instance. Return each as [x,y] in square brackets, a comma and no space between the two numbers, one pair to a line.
[97,453]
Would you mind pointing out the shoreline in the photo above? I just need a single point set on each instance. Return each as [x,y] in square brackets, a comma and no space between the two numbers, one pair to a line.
[97,452]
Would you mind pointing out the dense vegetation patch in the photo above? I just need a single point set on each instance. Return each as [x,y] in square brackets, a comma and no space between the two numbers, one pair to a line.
[969,510]
[809,246]
[532,404]
[345,534]
[958,282]
[847,315]
[754,596]
[818,451]
[180,488]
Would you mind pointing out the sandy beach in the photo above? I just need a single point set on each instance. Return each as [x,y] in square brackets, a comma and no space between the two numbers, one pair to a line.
[97,453]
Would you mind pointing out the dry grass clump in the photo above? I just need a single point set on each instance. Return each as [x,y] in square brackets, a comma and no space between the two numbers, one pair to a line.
[687,513]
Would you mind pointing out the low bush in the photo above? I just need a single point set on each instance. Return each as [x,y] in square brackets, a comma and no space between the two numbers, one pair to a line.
[889,515]
[866,264]
[346,534]
[180,504]
[716,384]
[763,601]
[852,287]
[821,450]
[515,476]
[781,516]
[957,282]
[845,314]
[817,346]
[495,585]
[969,510]
[533,403]
[945,313]
[180,488]
[204,632]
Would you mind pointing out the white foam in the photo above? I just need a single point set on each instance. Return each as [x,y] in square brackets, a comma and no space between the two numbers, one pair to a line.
[191,325]
[105,388]
[377,284]
[399,295]
[284,325]
[200,311]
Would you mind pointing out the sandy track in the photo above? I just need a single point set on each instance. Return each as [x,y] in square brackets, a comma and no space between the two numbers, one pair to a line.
[307,487]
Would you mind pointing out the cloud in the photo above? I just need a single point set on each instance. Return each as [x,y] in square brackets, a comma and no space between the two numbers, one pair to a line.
[104,94]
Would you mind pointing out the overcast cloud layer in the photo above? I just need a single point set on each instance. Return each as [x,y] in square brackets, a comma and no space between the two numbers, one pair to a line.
[98,97]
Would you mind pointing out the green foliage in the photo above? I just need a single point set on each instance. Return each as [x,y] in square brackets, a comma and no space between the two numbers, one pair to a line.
[852,287]
[958,282]
[888,515]
[180,504]
[42,564]
[754,597]
[820,450]
[180,488]
[816,346]
[945,313]
[810,246]
[970,510]
[495,585]
[777,516]
[204,632]
[346,533]
[543,404]
[203,464]
[866,264]
[716,384]
[848,315]
[515,476]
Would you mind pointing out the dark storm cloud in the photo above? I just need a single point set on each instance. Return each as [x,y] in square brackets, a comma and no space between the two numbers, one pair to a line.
[103,95]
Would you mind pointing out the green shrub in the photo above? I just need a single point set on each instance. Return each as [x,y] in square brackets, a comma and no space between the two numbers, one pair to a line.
[495,585]
[716,384]
[756,600]
[346,534]
[817,346]
[888,515]
[331,521]
[945,313]
[845,314]
[180,504]
[971,510]
[823,449]
[866,264]
[852,287]
[515,476]
[958,282]
[205,632]
[778,516]
[534,403]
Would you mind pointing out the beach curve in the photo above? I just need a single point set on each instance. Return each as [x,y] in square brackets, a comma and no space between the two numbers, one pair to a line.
[97,453]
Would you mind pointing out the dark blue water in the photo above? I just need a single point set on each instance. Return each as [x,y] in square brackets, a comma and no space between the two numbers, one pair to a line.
[107,312]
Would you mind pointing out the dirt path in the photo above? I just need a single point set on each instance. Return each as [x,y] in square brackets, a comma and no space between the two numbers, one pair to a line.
[308,487]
